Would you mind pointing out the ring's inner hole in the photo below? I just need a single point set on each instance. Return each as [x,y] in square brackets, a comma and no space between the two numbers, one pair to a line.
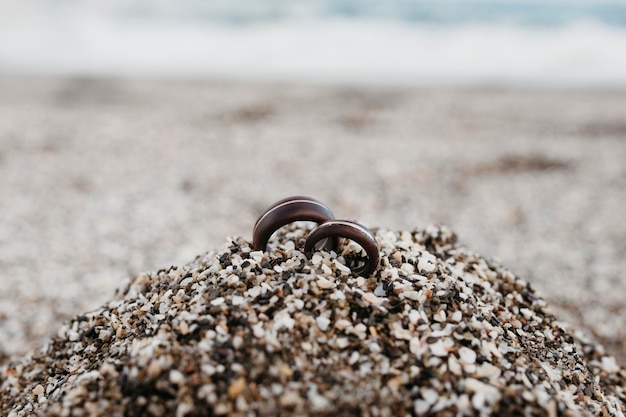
[354,255]
[295,232]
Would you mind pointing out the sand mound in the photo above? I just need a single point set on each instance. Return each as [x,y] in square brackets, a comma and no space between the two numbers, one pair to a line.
[437,330]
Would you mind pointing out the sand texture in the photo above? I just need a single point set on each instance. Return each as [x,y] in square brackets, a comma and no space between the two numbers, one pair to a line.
[103,179]
[436,330]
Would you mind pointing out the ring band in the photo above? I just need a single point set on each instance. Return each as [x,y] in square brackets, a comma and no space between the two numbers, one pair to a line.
[353,231]
[285,211]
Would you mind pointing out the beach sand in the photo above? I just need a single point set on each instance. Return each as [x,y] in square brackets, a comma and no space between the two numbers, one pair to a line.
[103,179]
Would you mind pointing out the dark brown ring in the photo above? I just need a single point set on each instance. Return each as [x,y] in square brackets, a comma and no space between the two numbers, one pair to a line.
[353,231]
[285,211]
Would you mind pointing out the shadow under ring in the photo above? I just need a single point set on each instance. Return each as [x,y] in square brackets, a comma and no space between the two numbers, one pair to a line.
[354,231]
[289,210]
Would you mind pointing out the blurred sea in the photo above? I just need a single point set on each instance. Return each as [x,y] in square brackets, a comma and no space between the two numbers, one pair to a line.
[542,43]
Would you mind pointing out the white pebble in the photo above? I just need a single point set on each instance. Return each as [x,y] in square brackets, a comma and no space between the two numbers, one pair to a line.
[232,279]
[467,356]
[326,269]
[238,300]
[323,323]
[176,377]
[440,316]
[258,330]
[414,345]
[421,407]
[482,392]
[217,301]
[526,313]
[425,265]
[411,295]
[375,347]
[344,269]
[343,324]
[430,395]
[478,400]
[359,330]
[338,295]
[371,298]
[438,348]
[282,319]
[254,292]
[457,316]
[324,283]
[184,283]
[609,365]
[454,366]
[342,342]
[237,342]
[380,291]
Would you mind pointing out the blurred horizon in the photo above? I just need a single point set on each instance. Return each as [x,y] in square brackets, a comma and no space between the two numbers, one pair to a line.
[490,42]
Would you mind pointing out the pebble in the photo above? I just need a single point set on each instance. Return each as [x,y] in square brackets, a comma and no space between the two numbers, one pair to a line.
[217,301]
[438,348]
[342,342]
[271,338]
[379,291]
[466,355]
[236,388]
[322,323]
[38,390]
[324,283]
[176,377]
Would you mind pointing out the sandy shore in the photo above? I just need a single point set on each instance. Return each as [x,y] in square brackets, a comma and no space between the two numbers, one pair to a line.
[102,179]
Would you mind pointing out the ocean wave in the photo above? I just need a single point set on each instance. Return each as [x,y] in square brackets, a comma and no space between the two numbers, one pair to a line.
[453,12]
[335,50]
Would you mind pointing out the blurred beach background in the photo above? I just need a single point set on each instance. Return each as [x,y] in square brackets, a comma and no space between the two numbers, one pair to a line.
[138,134]
[548,43]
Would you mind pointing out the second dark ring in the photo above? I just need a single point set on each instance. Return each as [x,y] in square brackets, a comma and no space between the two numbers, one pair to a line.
[350,230]
[289,210]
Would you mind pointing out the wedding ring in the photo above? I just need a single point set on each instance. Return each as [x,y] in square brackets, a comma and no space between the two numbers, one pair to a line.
[350,230]
[285,211]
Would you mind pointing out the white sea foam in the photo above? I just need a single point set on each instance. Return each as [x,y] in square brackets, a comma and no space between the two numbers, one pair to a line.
[334,50]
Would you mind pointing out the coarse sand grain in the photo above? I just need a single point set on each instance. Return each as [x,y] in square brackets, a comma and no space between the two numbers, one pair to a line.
[437,330]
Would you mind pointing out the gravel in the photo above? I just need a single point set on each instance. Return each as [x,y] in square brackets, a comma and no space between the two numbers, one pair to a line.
[437,330]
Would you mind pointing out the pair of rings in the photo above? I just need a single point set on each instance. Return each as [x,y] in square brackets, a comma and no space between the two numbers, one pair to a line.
[327,232]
